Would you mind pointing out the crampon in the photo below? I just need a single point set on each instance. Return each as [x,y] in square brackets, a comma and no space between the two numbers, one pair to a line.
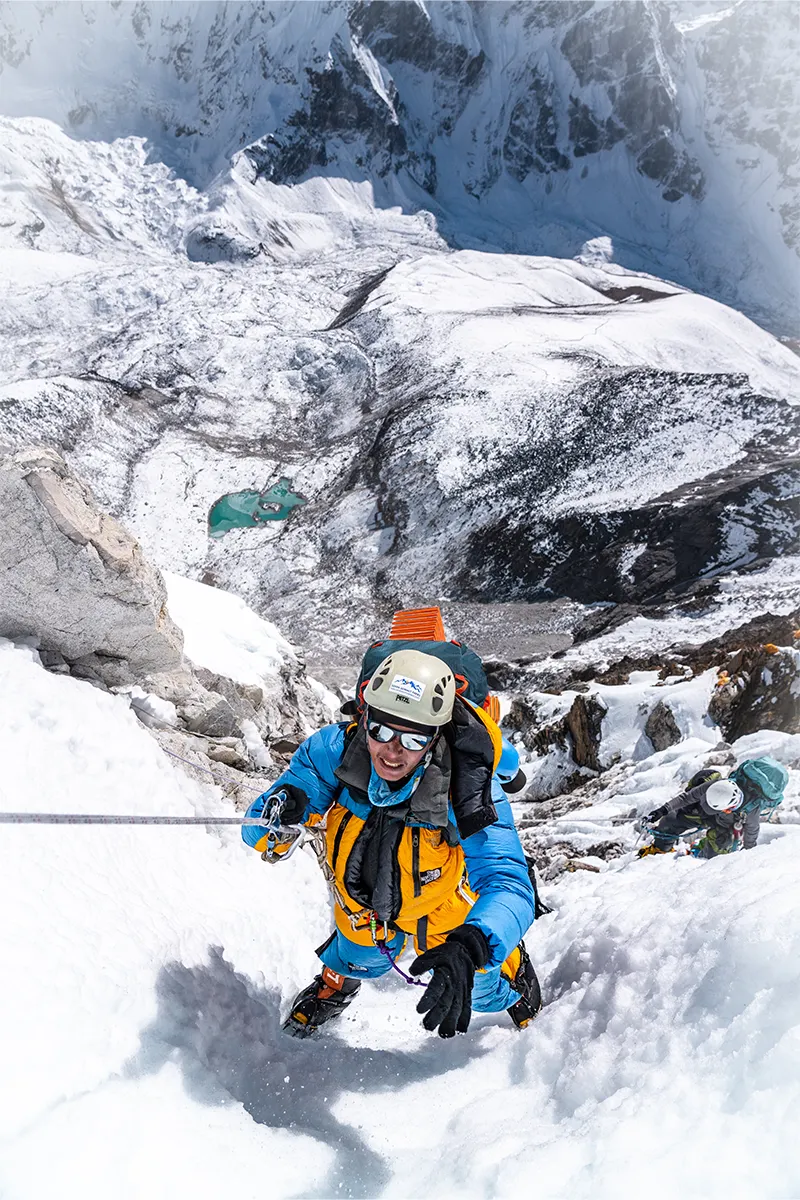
[324,999]
[523,1011]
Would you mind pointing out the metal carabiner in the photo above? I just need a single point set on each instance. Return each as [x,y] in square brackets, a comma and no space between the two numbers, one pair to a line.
[290,836]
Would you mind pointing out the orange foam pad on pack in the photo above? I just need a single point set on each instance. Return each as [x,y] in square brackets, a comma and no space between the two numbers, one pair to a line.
[418,624]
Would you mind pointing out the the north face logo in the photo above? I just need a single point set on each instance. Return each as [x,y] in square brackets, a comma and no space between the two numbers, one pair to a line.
[430,876]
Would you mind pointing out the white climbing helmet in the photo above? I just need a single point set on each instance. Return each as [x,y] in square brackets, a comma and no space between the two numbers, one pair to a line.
[414,687]
[724,796]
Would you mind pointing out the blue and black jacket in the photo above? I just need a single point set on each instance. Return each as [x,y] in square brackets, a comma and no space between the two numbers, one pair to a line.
[449,854]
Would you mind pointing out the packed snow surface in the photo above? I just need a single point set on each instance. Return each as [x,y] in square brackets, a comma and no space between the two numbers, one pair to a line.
[222,634]
[147,970]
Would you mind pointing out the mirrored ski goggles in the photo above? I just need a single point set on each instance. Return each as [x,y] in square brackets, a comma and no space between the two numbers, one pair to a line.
[408,740]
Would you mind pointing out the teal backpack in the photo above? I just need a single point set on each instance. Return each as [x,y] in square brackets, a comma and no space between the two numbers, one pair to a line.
[765,774]
[468,669]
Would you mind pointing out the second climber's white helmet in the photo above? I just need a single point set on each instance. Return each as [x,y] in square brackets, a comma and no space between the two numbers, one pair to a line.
[412,686]
[724,796]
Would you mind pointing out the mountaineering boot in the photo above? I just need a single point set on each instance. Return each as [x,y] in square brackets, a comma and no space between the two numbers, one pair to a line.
[653,849]
[321,1001]
[523,1011]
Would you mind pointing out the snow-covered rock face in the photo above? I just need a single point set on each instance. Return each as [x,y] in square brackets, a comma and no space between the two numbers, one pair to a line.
[533,127]
[467,425]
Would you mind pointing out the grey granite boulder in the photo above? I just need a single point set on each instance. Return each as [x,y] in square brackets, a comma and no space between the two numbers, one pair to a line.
[74,578]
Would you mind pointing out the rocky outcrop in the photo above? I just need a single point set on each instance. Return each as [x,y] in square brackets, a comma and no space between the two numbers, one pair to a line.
[662,728]
[723,652]
[76,582]
[575,739]
[646,552]
[584,722]
[74,578]
[758,689]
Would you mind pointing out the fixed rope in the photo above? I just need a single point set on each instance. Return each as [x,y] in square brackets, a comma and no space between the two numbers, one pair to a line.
[22,818]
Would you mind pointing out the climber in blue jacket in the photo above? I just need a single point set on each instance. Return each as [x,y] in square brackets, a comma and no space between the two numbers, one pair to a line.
[420,843]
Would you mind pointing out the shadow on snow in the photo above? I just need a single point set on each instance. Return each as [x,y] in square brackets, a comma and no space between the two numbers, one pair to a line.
[224,1033]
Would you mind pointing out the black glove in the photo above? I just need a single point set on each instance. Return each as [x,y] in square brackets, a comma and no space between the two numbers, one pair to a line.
[657,814]
[293,799]
[448,997]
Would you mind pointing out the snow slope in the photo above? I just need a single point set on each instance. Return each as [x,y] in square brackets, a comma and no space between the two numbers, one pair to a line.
[109,936]
[146,970]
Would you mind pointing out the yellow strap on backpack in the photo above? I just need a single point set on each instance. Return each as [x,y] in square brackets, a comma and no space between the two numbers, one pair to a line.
[493,729]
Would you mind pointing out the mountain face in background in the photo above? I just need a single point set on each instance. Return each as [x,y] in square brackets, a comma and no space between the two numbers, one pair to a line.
[274,241]
[668,128]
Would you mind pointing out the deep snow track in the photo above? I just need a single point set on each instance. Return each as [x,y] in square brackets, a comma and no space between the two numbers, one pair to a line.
[146,970]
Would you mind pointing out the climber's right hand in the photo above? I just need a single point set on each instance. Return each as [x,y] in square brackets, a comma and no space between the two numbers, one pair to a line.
[286,806]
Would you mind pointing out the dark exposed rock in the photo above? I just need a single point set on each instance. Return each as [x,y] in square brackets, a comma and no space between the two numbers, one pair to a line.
[584,723]
[617,53]
[556,858]
[53,660]
[725,652]
[753,635]
[764,693]
[578,731]
[583,78]
[662,728]
[635,290]
[358,298]
[585,555]
[588,133]
[341,104]
[531,142]
[523,717]
[210,242]
[402,31]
